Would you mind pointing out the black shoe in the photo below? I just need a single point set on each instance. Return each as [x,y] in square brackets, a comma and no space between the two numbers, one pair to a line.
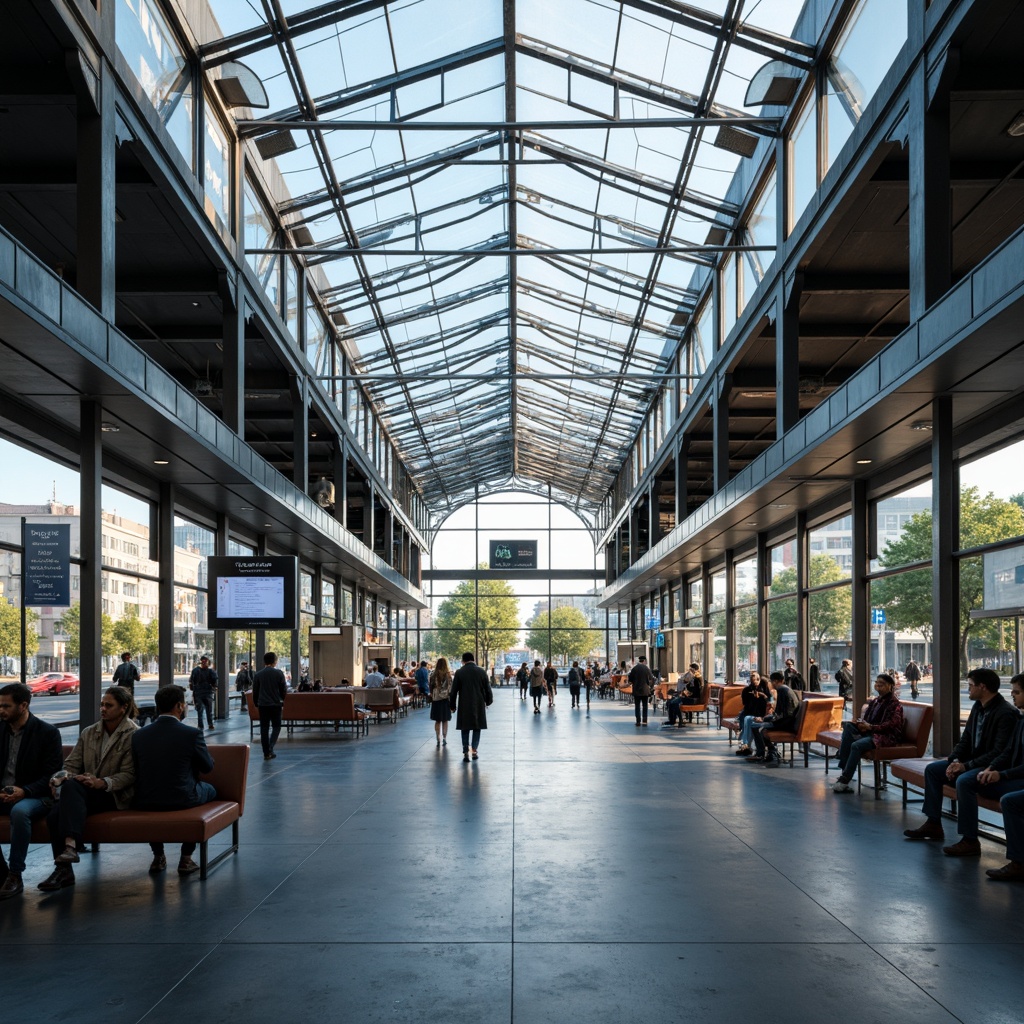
[12,885]
[159,864]
[69,856]
[187,866]
[756,758]
[61,878]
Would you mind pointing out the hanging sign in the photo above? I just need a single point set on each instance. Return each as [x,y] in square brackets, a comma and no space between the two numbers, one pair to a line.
[47,564]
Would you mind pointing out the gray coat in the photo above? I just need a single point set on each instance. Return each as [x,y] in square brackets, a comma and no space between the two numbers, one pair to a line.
[471,696]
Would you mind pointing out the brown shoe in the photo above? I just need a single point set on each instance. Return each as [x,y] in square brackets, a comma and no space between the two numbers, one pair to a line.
[965,848]
[61,878]
[187,866]
[931,829]
[12,885]
[1011,872]
[159,864]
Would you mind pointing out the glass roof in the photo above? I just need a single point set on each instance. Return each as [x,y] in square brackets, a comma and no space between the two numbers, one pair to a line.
[509,200]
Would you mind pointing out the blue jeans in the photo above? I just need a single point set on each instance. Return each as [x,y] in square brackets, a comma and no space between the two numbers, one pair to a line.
[967,791]
[852,748]
[22,815]
[466,745]
[1012,805]
[747,730]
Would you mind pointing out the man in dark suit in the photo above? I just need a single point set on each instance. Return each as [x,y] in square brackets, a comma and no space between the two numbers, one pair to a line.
[169,758]
[30,753]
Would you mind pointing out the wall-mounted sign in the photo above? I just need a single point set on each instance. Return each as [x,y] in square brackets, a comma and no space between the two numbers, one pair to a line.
[252,593]
[47,567]
[513,554]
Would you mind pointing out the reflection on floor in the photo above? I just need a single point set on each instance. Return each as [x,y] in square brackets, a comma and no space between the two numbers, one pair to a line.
[581,870]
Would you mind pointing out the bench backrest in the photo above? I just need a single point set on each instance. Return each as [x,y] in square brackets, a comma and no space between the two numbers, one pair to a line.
[230,771]
[306,707]
[918,727]
[836,703]
[821,712]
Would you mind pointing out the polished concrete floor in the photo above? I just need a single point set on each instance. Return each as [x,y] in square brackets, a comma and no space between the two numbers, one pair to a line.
[581,870]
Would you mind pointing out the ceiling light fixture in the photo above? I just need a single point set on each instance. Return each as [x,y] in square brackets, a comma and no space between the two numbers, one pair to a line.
[161,462]
[757,394]
[864,462]
[921,425]
[110,428]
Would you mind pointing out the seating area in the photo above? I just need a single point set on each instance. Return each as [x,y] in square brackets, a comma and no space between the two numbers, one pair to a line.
[281,913]
[193,824]
[328,710]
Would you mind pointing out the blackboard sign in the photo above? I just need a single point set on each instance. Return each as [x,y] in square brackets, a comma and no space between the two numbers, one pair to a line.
[47,565]
[513,554]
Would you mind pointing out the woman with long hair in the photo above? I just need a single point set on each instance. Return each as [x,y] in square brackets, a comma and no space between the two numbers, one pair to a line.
[440,702]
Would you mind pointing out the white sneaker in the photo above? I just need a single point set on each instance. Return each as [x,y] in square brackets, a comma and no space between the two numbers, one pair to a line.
[842,787]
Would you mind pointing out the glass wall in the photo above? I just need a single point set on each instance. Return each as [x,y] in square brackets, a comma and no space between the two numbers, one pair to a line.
[148,46]
[217,173]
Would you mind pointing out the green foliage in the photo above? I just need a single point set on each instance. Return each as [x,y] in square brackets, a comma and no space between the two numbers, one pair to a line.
[10,630]
[907,598]
[570,637]
[71,626]
[829,612]
[484,620]
[151,645]
[129,633]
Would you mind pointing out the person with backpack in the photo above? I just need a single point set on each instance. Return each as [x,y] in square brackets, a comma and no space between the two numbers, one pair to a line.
[523,679]
[127,673]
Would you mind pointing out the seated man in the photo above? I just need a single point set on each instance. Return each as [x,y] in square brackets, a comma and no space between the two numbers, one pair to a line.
[692,688]
[756,697]
[30,752]
[989,728]
[1003,775]
[1008,770]
[423,680]
[786,704]
[881,726]
[373,677]
[169,758]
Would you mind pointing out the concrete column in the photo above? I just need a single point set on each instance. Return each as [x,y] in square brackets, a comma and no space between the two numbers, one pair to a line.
[860,636]
[165,546]
[221,656]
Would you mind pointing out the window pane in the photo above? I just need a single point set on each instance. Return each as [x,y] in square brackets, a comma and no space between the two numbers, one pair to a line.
[781,633]
[803,161]
[746,580]
[829,612]
[992,498]
[835,542]
[217,173]
[906,601]
[783,563]
[728,295]
[148,46]
[904,524]
[746,643]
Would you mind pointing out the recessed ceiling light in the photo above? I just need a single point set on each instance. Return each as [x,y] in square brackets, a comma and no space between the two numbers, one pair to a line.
[1016,127]
[921,425]
[110,428]
[864,462]
[757,394]
[780,504]
[245,508]
[161,462]
[268,524]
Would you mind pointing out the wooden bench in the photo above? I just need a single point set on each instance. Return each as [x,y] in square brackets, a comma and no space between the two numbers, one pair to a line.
[188,825]
[324,709]
[917,729]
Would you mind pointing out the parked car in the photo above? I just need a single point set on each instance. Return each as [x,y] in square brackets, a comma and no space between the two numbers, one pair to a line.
[54,683]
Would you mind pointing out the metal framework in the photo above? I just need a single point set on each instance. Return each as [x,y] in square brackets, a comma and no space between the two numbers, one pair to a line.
[437,143]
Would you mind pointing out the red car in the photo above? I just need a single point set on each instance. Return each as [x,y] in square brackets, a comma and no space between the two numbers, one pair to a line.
[54,683]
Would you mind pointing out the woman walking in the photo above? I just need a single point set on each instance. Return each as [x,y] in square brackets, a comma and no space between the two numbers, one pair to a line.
[551,683]
[440,702]
[536,686]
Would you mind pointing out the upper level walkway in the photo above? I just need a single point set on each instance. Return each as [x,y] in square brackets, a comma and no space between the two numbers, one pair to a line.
[581,870]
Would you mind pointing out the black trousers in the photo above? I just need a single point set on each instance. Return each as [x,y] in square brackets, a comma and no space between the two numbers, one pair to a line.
[68,814]
[270,727]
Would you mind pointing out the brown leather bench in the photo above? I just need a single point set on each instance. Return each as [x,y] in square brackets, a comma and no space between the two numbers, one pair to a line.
[817,713]
[917,729]
[332,708]
[189,825]
[380,700]
[910,771]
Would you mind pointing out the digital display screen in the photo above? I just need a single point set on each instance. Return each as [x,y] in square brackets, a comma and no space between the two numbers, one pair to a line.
[253,593]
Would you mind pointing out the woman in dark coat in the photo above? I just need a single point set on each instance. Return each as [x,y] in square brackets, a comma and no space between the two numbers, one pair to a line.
[471,697]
